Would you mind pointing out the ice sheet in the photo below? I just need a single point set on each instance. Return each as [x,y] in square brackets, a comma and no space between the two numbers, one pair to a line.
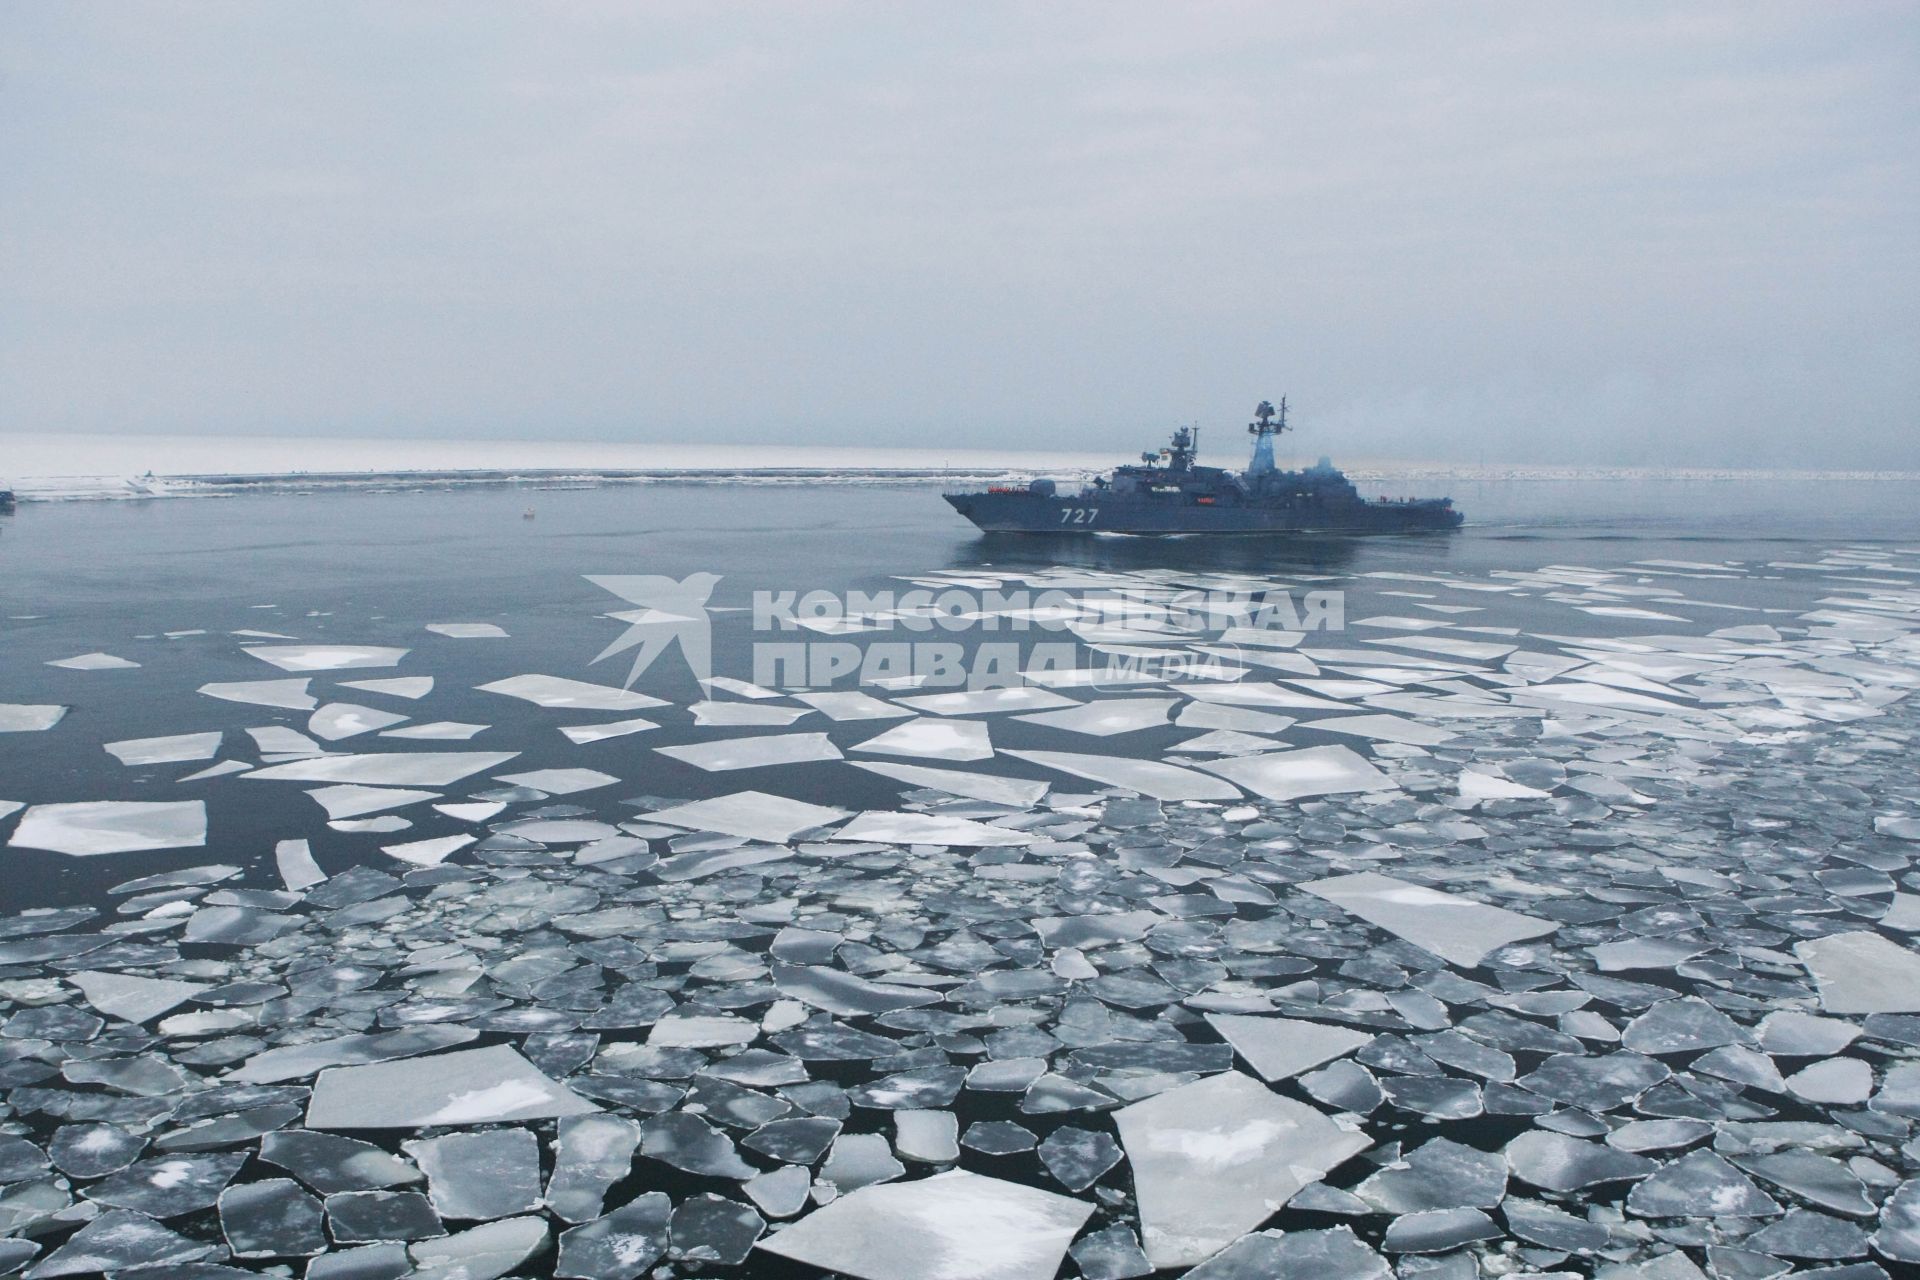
[852,706]
[185,746]
[1478,787]
[1278,1048]
[350,801]
[952,1226]
[291,695]
[409,687]
[1861,973]
[983,701]
[752,814]
[467,630]
[583,734]
[925,828]
[1458,930]
[1384,728]
[558,691]
[1214,1159]
[485,1175]
[95,827]
[326,657]
[927,738]
[278,740]
[436,731]
[94,662]
[493,1085]
[298,871]
[1476,650]
[337,720]
[560,782]
[428,853]
[755,752]
[299,1061]
[849,995]
[1225,742]
[1209,715]
[131,997]
[1246,694]
[733,714]
[976,786]
[1107,717]
[740,688]
[1313,771]
[22,717]
[387,768]
[1148,777]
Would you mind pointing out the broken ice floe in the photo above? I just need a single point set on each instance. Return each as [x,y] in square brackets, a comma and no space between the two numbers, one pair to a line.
[1278,1048]
[975,786]
[465,1087]
[1453,928]
[755,752]
[582,734]
[917,828]
[752,814]
[1148,777]
[852,705]
[1314,771]
[468,630]
[94,662]
[326,657]
[933,739]
[558,691]
[950,1225]
[410,687]
[1583,953]
[168,750]
[289,694]
[21,717]
[1106,716]
[386,768]
[979,701]
[559,782]
[1863,972]
[1212,1160]
[95,827]
[337,720]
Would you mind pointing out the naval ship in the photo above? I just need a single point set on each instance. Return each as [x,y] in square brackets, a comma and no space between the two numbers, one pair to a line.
[1168,492]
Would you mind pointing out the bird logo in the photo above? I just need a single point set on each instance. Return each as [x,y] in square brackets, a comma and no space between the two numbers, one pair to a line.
[671,610]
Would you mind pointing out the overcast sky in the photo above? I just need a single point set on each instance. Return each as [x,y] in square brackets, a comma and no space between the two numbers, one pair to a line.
[1616,233]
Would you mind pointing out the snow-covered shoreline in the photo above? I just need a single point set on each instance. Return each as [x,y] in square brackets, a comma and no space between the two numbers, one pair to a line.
[53,468]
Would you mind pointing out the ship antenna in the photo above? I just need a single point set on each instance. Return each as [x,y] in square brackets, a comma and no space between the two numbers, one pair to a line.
[1263,429]
[1265,423]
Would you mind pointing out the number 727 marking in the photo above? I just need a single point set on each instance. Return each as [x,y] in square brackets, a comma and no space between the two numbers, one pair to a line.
[1079,515]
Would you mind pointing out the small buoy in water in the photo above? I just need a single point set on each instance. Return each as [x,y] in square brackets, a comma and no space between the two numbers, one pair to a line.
[527,514]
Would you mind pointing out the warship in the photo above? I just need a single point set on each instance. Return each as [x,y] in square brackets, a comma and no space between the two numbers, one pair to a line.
[1170,493]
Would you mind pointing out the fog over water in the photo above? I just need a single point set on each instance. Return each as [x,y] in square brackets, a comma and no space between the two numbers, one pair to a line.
[1634,236]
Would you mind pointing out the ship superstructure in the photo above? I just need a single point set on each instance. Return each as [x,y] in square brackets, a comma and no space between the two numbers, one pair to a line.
[1170,492]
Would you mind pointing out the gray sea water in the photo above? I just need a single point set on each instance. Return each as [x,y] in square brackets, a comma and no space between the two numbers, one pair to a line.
[1691,697]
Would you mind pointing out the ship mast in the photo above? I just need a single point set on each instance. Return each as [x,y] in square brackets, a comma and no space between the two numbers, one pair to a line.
[1266,425]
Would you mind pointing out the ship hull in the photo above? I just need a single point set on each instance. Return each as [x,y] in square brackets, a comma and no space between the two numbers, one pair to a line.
[1019,512]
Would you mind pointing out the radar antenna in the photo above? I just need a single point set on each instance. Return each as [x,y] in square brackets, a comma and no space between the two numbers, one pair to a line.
[1265,415]
[1265,426]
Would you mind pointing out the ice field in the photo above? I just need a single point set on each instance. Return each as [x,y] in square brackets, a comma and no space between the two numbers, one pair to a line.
[1550,918]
